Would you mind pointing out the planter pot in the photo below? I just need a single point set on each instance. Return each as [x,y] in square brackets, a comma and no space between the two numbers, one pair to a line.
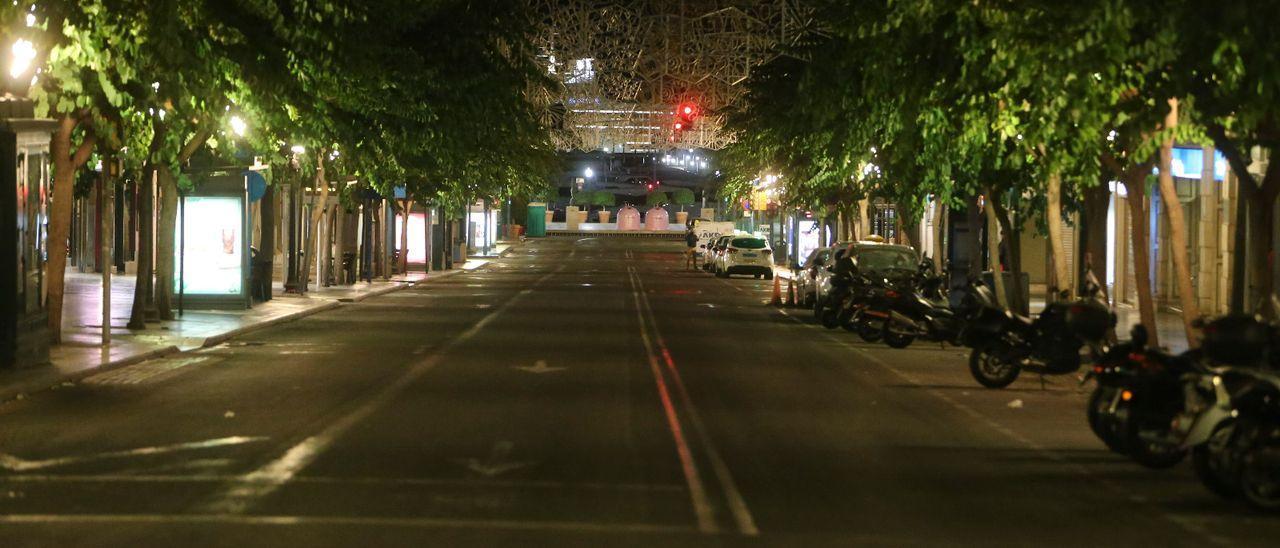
[682,218]
[550,214]
[604,216]
[582,216]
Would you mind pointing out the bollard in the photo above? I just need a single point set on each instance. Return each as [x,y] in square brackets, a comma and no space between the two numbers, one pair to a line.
[777,292]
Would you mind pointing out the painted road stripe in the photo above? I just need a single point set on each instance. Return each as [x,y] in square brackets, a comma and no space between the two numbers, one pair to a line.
[333,480]
[271,476]
[441,523]
[737,504]
[702,509]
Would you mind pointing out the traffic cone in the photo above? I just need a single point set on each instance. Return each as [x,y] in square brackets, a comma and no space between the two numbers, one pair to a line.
[791,292]
[777,292]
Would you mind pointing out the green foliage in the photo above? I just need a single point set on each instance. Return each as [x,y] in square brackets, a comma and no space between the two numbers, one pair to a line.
[682,197]
[584,198]
[604,198]
[656,198]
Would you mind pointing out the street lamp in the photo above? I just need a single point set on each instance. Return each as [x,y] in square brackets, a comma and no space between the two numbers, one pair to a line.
[588,173]
[238,125]
[23,53]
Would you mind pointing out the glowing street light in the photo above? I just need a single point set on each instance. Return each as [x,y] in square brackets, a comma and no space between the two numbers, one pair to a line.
[24,52]
[238,125]
[588,173]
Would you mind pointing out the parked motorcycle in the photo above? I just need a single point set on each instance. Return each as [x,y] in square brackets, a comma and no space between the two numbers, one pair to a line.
[926,313]
[1232,418]
[1005,344]
[1139,392]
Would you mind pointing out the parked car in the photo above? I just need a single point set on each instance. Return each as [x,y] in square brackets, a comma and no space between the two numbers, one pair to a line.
[806,275]
[710,256]
[822,275]
[873,257]
[745,255]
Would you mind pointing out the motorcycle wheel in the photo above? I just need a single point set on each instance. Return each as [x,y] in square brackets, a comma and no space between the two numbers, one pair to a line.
[990,371]
[867,331]
[897,340]
[1099,422]
[1260,483]
[1211,465]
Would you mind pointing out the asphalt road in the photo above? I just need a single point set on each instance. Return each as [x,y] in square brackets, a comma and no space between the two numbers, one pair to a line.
[579,392]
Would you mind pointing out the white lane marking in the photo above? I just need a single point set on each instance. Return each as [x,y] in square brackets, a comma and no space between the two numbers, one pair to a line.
[702,508]
[342,481]
[737,504]
[1036,447]
[444,523]
[266,479]
[539,367]
[16,464]
[497,463]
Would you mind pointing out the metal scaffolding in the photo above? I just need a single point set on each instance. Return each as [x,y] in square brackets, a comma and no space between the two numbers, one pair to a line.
[623,66]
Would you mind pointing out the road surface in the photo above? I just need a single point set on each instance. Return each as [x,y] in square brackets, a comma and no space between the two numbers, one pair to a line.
[578,392]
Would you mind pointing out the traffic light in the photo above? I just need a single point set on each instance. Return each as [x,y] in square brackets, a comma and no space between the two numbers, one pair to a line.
[686,113]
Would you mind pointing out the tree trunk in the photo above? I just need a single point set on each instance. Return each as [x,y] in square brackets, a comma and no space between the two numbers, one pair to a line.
[993,250]
[973,221]
[1135,187]
[143,298]
[1012,240]
[1261,231]
[1059,286]
[65,164]
[165,232]
[1096,200]
[318,206]
[1178,230]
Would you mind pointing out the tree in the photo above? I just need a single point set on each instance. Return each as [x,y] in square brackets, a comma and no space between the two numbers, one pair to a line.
[656,198]
[682,197]
[1228,73]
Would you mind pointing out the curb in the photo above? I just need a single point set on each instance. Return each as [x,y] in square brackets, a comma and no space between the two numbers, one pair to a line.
[9,393]
[223,337]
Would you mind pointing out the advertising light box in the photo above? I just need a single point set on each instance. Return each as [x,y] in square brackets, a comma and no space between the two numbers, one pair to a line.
[214,262]
[212,241]
[417,236]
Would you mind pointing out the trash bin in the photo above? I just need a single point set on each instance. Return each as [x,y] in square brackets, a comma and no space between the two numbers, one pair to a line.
[537,220]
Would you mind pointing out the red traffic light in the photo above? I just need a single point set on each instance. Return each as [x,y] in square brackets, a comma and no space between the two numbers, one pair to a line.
[687,111]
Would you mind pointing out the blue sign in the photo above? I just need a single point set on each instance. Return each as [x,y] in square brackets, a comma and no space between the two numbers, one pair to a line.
[257,185]
[1188,163]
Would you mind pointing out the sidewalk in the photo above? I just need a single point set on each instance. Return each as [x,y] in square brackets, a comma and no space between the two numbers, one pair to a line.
[81,353]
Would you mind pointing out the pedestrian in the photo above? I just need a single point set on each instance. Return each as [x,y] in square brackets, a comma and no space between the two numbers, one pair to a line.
[691,251]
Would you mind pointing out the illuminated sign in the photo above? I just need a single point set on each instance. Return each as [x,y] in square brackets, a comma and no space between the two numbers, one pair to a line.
[417,236]
[1188,163]
[213,240]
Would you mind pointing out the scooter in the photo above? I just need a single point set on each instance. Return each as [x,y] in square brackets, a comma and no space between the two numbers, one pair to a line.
[1005,344]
